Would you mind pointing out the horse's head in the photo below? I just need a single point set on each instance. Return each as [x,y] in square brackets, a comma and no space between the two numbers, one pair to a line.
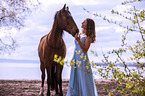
[66,21]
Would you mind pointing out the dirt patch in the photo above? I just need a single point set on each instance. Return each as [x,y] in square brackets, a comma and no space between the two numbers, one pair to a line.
[32,87]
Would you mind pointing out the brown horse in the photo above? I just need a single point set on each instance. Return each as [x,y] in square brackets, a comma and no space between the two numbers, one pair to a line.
[52,44]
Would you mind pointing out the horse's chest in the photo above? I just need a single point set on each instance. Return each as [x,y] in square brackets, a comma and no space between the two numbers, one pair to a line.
[50,52]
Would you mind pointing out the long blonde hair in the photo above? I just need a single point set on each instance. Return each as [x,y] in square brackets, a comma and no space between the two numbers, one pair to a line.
[90,30]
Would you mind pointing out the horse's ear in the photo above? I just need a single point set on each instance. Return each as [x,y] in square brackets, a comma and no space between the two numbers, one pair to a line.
[67,8]
[64,7]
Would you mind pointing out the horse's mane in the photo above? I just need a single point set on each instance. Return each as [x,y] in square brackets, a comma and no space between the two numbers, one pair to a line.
[56,21]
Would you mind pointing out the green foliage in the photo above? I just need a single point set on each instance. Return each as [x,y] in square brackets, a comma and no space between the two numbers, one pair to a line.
[75,63]
[129,82]
[13,12]
[59,60]
[12,16]
[7,48]
[130,1]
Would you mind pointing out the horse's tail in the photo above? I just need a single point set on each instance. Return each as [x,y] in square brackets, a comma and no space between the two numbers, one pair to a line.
[53,77]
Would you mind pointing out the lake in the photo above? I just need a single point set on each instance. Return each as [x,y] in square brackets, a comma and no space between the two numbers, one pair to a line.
[31,71]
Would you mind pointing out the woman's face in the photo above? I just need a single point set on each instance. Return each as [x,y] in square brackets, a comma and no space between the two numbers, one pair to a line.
[84,24]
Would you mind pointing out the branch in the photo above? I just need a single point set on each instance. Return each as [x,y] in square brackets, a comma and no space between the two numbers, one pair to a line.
[114,22]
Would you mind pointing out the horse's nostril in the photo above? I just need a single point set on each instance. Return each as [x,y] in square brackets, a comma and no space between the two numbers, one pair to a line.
[77,31]
[73,33]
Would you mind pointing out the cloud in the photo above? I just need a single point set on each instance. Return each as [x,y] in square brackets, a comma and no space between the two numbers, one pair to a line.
[72,2]
[40,23]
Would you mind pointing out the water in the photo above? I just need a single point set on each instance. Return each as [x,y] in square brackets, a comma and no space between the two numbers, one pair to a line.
[25,71]
[31,71]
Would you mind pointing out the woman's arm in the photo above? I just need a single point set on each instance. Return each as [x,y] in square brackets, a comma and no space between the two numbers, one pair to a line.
[87,43]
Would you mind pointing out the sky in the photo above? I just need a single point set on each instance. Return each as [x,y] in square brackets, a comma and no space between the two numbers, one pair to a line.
[39,23]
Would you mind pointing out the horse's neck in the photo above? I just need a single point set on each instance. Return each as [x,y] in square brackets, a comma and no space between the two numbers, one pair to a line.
[56,33]
[56,36]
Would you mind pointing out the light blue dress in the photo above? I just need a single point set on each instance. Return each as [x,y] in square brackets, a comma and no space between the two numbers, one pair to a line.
[81,81]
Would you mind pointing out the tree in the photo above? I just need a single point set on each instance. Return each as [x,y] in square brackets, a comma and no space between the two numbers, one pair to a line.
[12,16]
[128,82]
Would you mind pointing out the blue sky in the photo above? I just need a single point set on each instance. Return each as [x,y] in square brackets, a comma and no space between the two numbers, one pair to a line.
[108,36]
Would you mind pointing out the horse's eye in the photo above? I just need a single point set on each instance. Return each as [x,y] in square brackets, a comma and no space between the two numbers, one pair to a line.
[67,17]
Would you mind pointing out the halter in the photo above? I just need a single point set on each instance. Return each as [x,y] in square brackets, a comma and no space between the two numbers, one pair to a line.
[56,48]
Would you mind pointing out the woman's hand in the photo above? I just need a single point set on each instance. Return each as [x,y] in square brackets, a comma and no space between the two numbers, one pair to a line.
[87,44]
[77,37]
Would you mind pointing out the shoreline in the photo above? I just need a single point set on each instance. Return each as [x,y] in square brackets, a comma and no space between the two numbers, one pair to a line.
[45,79]
[63,80]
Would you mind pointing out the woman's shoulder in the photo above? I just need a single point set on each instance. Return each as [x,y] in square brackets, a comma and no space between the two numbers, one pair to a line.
[85,37]
[88,39]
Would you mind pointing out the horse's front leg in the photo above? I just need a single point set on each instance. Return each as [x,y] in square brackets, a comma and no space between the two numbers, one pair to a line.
[55,78]
[48,80]
[59,78]
[60,85]
[42,77]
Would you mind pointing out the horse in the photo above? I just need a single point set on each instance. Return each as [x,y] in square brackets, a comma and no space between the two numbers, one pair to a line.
[53,43]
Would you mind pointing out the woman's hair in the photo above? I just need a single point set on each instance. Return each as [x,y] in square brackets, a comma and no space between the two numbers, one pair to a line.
[90,30]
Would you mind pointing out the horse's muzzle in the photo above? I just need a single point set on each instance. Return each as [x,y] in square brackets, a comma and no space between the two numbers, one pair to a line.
[74,33]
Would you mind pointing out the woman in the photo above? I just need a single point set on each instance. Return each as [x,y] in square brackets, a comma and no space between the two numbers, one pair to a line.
[81,81]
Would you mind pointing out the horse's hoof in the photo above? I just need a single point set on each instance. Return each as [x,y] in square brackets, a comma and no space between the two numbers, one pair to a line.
[41,94]
[60,94]
[41,91]
[56,94]
[48,94]
[52,89]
